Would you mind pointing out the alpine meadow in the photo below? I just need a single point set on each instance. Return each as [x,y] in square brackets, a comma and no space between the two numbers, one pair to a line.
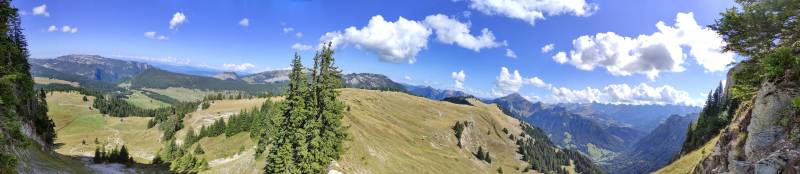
[374,87]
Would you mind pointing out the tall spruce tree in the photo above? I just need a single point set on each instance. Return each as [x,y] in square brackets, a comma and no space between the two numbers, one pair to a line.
[308,134]
[289,142]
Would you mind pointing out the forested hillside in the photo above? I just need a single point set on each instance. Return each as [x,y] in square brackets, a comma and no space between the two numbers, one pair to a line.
[23,110]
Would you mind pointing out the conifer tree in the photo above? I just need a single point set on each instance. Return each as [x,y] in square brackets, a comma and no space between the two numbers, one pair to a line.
[289,142]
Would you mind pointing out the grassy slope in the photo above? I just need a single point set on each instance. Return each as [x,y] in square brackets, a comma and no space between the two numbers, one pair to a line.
[392,132]
[34,160]
[46,81]
[75,123]
[686,163]
[137,98]
[182,94]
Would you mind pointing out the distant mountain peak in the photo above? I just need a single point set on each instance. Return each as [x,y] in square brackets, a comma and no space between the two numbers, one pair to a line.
[228,75]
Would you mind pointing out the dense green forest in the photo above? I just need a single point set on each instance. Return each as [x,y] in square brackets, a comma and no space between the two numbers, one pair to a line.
[541,154]
[20,103]
[767,34]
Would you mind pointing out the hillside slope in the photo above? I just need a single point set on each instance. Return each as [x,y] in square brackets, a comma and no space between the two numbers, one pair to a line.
[388,137]
[385,135]
[655,150]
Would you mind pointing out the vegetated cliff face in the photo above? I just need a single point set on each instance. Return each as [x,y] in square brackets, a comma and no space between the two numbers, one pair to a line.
[763,137]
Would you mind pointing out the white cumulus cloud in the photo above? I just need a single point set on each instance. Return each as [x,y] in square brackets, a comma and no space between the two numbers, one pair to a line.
[41,11]
[244,22]
[459,78]
[52,28]
[301,47]
[547,48]
[650,54]
[298,34]
[177,19]
[641,94]
[68,29]
[150,34]
[287,30]
[560,57]
[532,10]
[449,31]
[510,53]
[239,67]
[507,83]
[394,42]
[154,35]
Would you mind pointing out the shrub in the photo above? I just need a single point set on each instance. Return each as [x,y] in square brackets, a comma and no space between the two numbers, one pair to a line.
[746,81]
[778,61]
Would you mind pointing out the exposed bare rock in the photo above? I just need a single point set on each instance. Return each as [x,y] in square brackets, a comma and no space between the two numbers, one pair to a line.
[759,139]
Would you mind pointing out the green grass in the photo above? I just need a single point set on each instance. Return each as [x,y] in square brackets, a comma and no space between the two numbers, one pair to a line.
[686,163]
[599,153]
[221,146]
[138,99]
[182,94]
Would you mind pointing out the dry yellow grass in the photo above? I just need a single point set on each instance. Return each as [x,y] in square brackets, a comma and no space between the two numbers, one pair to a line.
[392,132]
[219,109]
[76,123]
[686,163]
[46,81]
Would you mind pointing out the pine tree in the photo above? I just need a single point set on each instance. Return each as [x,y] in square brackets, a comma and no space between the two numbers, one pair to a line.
[329,110]
[289,143]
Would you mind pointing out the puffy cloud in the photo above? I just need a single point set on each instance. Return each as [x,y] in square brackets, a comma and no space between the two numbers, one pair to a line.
[244,22]
[393,41]
[575,96]
[532,10]
[547,48]
[239,67]
[298,34]
[301,47]
[41,11]
[287,30]
[507,83]
[560,57]
[537,82]
[403,39]
[449,31]
[177,19]
[645,94]
[408,78]
[68,29]
[153,35]
[510,53]
[625,94]
[459,78]
[52,28]
[150,34]
[650,54]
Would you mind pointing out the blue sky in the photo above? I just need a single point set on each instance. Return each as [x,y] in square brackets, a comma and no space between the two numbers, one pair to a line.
[642,63]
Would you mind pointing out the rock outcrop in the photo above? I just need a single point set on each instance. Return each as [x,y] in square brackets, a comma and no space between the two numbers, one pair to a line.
[762,138]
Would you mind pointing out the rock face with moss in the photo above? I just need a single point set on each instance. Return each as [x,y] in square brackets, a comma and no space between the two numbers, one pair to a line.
[763,136]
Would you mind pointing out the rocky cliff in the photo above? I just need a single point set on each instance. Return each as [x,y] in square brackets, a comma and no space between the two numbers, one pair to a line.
[763,137]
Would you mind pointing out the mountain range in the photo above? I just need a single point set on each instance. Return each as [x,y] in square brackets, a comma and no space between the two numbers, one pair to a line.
[612,135]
